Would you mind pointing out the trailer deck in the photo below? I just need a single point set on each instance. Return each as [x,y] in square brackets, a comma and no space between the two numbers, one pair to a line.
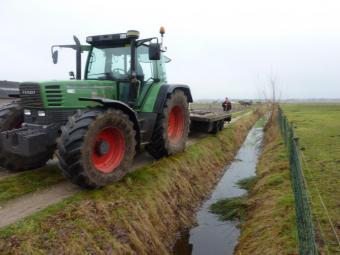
[208,121]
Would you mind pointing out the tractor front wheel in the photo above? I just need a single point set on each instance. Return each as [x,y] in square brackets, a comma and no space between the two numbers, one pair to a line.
[172,127]
[96,148]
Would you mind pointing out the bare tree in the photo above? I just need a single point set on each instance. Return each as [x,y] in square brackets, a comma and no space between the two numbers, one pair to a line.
[274,92]
[270,92]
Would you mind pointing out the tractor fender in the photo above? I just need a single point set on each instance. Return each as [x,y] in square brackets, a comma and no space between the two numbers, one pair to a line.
[166,90]
[110,103]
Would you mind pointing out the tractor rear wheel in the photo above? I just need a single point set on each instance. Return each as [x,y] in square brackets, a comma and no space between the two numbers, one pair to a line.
[11,117]
[172,127]
[96,148]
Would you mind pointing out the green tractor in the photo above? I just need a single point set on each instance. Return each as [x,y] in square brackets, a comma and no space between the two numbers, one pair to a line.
[98,123]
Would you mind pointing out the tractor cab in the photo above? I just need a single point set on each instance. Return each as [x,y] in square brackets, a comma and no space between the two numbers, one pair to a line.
[132,65]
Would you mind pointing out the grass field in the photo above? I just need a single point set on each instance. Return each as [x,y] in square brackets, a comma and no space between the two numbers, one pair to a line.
[318,129]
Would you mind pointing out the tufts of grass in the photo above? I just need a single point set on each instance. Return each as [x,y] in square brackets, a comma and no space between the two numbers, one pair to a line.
[248,183]
[274,180]
[234,208]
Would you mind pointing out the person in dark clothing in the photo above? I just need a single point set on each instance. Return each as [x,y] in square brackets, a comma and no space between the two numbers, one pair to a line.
[226,105]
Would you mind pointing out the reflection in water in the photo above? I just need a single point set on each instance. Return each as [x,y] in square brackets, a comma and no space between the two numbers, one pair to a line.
[212,236]
[182,245]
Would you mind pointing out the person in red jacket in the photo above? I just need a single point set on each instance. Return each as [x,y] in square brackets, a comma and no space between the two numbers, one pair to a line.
[226,105]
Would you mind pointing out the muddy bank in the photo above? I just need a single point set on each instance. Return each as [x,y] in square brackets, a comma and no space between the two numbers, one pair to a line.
[140,215]
[270,225]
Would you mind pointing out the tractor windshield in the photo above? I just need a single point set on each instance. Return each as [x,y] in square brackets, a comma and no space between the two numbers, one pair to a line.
[109,63]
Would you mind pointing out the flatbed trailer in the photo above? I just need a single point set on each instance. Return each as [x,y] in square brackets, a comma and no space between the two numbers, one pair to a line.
[208,121]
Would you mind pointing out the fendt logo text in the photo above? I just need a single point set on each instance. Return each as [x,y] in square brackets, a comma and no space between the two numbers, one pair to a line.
[28,92]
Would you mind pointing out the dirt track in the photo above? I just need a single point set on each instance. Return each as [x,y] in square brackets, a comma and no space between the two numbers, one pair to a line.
[23,206]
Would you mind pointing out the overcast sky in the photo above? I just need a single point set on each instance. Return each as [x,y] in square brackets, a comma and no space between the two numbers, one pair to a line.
[219,48]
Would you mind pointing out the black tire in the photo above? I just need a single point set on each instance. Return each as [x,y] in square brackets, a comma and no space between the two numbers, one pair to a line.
[11,117]
[162,142]
[78,147]
[215,128]
[221,125]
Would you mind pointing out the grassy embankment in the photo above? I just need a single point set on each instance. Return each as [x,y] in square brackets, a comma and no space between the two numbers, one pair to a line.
[318,128]
[267,212]
[141,214]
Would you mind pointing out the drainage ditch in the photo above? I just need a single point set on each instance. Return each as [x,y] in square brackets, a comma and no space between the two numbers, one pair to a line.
[211,235]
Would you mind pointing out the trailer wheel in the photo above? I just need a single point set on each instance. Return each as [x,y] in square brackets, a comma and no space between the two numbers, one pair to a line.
[96,148]
[11,117]
[215,127]
[221,125]
[172,127]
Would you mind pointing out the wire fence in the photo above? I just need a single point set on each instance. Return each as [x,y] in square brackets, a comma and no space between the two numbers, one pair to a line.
[305,227]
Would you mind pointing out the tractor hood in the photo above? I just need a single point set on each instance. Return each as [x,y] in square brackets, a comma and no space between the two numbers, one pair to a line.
[65,94]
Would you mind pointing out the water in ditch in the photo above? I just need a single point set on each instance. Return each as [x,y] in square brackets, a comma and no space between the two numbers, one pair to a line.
[212,236]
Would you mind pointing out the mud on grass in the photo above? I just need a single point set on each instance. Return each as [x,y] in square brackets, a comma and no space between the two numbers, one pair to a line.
[270,223]
[139,215]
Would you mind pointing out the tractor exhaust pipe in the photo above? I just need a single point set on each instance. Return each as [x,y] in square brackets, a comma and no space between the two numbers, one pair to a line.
[133,35]
[78,57]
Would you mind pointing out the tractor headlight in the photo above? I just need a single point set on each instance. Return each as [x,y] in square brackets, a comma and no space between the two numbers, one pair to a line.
[41,114]
[27,112]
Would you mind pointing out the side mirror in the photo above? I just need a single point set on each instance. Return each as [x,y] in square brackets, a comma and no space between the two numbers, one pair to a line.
[154,51]
[71,74]
[55,56]
[166,59]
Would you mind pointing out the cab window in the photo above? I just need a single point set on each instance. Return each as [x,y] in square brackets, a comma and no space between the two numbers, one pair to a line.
[144,65]
[109,63]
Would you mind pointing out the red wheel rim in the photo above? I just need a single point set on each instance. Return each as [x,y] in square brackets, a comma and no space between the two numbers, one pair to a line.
[108,150]
[176,124]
